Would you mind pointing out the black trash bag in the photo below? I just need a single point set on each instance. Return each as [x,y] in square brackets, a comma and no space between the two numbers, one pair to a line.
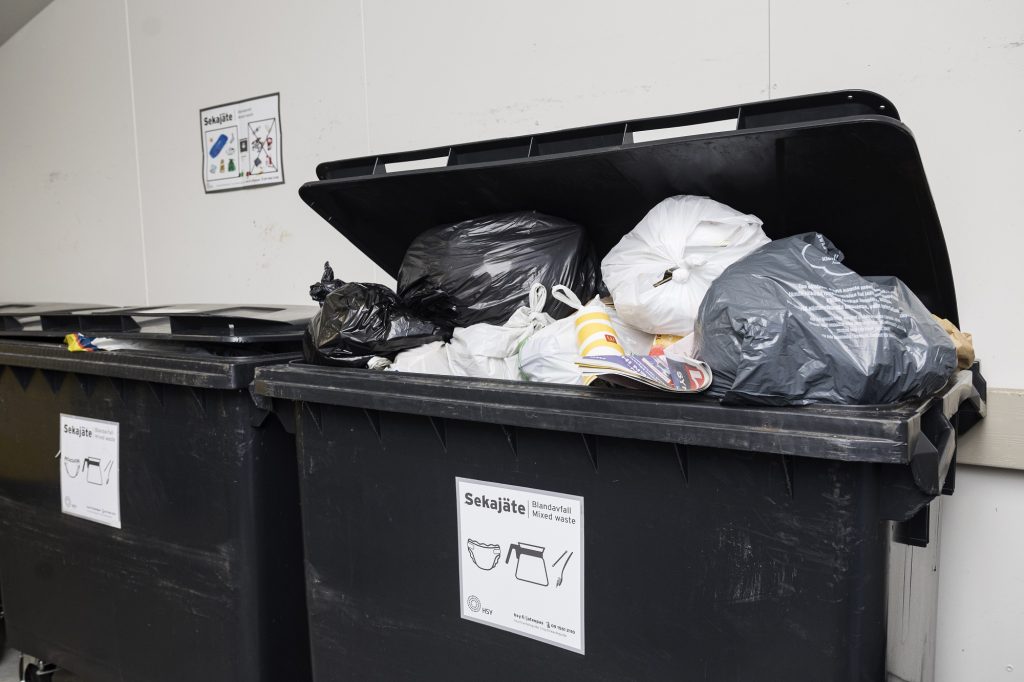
[790,325]
[481,270]
[359,321]
[328,283]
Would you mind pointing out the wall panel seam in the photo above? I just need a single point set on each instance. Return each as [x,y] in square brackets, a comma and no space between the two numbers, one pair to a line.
[138,162]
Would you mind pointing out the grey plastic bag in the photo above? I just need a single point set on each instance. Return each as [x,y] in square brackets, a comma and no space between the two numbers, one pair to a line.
[790,325]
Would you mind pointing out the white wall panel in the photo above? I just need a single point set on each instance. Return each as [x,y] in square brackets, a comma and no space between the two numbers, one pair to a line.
[69,199]
[259,245]
[464,70]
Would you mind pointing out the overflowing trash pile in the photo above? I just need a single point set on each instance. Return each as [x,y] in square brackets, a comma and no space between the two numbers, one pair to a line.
[696,298]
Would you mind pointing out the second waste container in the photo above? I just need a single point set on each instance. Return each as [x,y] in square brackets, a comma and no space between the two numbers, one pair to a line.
[469,529]
[149,516]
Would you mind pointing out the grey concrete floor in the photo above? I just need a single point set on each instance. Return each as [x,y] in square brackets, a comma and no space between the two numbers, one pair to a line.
[9,666]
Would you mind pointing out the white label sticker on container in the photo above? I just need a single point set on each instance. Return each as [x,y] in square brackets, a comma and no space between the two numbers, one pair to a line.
[521,560]
[90,487]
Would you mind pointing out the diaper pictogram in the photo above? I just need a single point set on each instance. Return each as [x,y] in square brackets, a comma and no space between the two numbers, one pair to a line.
[71,465]
[485,556]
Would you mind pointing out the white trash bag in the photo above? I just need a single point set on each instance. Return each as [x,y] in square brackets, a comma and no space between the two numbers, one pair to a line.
[491,352]
[550,355]
[659,272]
[431,358]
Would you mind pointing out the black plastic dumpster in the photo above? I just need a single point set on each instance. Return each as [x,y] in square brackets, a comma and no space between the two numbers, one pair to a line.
[149,519]
[471,529]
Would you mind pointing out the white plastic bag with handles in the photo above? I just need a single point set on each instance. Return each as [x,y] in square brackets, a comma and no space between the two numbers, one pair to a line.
[483,350]
[659,272]
[550,355]
[490,351]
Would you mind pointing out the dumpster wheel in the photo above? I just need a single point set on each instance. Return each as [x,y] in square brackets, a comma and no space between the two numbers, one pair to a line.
[33,670]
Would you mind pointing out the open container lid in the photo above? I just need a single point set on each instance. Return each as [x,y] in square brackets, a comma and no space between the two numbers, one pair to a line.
[839,163]
[200,323]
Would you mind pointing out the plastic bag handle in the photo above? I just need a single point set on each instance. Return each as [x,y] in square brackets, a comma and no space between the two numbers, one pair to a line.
[538,297]
[562,293]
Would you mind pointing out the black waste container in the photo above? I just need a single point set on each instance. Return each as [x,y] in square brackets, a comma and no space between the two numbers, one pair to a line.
[149,519]
[470,529]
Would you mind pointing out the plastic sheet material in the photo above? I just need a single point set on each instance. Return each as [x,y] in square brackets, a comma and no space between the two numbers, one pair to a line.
[790,325]
[481,270]
[659,272]
[81,343]
[359,321]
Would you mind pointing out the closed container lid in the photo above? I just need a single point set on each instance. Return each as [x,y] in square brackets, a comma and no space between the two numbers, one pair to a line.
[195,323]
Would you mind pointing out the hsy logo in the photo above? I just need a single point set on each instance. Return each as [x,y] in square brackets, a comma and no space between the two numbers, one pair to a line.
[476,606]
